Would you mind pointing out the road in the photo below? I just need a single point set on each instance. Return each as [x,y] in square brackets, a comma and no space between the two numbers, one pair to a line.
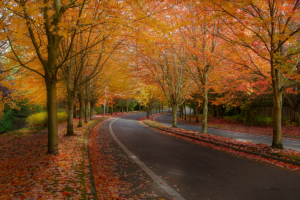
[287,143]
[196,172]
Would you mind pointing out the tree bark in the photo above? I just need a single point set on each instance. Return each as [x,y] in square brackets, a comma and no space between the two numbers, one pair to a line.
[80,109]
[86,112]
[74,111]
[52,114]
[174,115]
[196,113]
[190,119]
[205,110]
[112,109]
[148,111]
[92,110]
[184,110]
[70,130]
[276,84]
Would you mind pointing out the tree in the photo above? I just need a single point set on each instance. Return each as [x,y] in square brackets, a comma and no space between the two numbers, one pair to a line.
[42,27]
[270,30]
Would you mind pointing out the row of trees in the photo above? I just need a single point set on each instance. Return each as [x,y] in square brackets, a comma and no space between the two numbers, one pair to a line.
[157,52]
[225,48]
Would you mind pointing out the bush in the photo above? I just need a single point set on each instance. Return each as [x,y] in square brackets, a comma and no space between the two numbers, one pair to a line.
[262,121]
[40,119]
[234,118]
[6,122]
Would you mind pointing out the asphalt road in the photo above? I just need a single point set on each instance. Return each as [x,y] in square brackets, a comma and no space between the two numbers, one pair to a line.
[197,172]
[287,143]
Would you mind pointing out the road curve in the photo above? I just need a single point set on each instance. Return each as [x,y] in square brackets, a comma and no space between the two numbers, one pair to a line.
[287,143]
[198,172]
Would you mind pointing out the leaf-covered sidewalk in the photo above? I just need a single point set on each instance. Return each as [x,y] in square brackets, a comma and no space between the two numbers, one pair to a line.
[291,132]
[27,172]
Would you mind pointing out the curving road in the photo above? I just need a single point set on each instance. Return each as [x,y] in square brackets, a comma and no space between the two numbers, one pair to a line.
[193,172]
[287,143]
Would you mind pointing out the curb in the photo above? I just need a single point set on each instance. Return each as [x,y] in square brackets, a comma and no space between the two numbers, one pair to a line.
[236,149]
[93,189]
[235,131]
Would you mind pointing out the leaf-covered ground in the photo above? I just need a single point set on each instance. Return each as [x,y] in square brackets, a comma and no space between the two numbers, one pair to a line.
[292,132]
[27,172]
[248,146]
[116,175]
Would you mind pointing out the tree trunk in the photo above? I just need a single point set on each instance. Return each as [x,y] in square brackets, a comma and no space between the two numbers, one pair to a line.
[205,110]
[140,107]
[276,84]
[112,109]
[185,110]
[74,111]
[52,115]
[174,115]
[80,109]
[122,109]
[159,107]
[215,110]
[218,112]
[148,111]
[70,130]
[190,120]
[86,112]
[92,110]
[196,112]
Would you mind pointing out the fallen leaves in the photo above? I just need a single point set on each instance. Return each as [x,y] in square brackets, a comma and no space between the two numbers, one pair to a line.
[27,172]
[292,132]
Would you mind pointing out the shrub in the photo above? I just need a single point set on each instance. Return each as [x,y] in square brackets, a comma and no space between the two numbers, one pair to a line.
[6,122]
[263,121]
[40,119]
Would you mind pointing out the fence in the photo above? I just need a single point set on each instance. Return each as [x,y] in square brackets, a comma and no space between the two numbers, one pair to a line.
[268,112]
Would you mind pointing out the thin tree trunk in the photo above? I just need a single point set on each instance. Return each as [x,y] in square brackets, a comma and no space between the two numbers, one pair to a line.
[185,110]
[80,109]
[122,109]
[140,107]
[112,109]
[70,130]
[86,112]
[174,115]
[148,111]
[74,111]
[92,110]
[52,115]
[190,120]
[196,113]
[205,110]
